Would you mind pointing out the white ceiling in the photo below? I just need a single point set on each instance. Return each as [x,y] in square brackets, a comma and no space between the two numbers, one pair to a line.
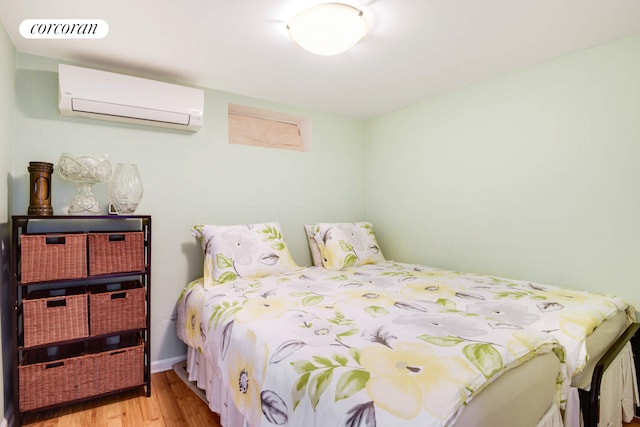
[416,49]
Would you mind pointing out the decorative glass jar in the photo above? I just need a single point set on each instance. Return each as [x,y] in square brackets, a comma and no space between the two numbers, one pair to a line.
[125,189]
[85,171]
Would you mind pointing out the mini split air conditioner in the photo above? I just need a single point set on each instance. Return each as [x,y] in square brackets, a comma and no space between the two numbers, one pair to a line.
[117,97]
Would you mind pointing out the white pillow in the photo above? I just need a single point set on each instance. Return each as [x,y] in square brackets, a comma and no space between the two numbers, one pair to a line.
[344,245]
[242,251]
[313,246]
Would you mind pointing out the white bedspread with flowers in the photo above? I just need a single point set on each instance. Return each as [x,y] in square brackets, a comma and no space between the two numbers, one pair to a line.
[569,315]
[387,344]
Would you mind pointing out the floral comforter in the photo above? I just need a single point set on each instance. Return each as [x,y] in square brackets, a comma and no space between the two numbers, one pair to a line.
[567,314]
[388,344]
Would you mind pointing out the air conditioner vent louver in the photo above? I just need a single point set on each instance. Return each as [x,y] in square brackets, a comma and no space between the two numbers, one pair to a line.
[116,97]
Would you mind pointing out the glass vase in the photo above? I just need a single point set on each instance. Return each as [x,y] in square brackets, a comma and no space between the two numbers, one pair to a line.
[125,189]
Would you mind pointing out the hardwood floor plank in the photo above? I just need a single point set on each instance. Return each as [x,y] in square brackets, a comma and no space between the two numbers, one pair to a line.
[150,410]
[195,412]
[112,411]
[167,402]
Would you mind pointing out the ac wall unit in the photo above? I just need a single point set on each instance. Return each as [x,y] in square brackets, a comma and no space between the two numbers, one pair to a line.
[117,97]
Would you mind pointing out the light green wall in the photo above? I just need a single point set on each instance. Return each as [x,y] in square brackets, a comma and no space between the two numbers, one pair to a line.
[194,177]
[7,108]
[533,175]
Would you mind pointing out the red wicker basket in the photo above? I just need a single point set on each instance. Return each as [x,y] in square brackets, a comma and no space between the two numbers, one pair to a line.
[120,365]
[116,252]
[75,372]
[117,307]
[55,315]
[48,380]
[53,257]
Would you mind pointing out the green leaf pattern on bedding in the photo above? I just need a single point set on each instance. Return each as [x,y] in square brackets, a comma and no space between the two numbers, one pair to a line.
[484,357]
[379,344]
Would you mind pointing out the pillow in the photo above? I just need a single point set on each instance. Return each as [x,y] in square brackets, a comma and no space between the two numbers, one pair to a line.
[313,246]
[242,251]
[344,245]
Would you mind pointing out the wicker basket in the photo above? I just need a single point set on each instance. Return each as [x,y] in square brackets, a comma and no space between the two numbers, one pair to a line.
[48,380]
[53,257]
[120,366]
[116,252]
[55,315]
[117,307]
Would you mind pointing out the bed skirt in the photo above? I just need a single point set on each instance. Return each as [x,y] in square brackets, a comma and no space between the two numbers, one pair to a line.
[618,394]
[619,390]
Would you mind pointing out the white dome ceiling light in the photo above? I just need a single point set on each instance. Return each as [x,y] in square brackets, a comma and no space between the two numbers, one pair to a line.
[328,29]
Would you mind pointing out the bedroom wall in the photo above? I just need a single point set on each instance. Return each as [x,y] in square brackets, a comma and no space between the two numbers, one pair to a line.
[7,109]
[533,175]
[194,178]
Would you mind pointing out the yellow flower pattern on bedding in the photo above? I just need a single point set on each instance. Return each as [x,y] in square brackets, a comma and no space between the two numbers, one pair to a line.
[192,324]
[246,372]
[379,344]
[412,377]
[261,308]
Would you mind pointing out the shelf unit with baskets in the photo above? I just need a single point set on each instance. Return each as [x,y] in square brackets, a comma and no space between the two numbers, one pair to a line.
[81,286]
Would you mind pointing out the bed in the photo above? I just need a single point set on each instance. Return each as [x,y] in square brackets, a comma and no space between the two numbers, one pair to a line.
[348,342]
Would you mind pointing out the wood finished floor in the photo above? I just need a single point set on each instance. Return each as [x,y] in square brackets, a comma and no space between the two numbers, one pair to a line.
[171,404]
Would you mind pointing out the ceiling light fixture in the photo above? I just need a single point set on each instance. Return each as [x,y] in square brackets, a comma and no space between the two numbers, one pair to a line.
[328,29]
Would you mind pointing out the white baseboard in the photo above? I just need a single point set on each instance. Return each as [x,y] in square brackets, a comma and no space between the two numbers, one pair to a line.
[165,364]
[8,417]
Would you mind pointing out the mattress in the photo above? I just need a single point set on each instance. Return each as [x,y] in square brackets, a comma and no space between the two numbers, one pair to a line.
[520,394]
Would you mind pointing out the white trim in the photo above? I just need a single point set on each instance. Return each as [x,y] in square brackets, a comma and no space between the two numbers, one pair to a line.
[165,364]
[8,417]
